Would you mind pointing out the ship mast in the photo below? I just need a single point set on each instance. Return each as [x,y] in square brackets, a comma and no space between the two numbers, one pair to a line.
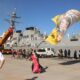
[13,18]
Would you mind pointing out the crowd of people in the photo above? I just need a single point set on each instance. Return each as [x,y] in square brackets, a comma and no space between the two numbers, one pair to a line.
[66,53]
[21,53]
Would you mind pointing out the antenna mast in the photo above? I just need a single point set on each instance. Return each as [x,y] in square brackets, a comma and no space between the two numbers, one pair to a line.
[12,19]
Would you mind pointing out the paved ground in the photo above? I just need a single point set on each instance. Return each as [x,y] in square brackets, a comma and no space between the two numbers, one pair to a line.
[58,69]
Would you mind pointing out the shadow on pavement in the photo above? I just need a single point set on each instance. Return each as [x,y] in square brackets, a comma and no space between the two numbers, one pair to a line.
[70,62]
[44,69]
[34,78]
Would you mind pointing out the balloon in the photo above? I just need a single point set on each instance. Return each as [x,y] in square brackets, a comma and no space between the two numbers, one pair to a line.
[63,22]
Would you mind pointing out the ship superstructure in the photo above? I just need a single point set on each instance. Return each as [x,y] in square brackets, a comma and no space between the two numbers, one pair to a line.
[31,37]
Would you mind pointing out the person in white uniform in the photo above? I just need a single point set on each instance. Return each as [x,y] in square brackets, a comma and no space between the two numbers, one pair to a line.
[2,60]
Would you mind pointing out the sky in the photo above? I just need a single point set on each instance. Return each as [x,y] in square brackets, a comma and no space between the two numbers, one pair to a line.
[37,13]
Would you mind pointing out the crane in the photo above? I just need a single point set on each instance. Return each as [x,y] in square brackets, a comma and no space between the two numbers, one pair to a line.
[10,30]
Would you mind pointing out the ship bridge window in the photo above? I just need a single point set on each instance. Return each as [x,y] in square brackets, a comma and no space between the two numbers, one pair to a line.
[18,31]
[8,45]
[30,28]
[26,36]
[32,35]
[15,38]
[21,34]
